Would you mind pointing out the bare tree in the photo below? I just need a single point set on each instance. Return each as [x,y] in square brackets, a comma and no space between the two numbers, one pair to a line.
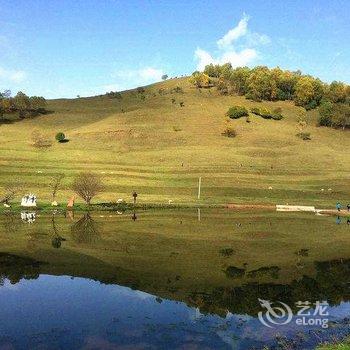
[87,186]
[55,184]
[9,194]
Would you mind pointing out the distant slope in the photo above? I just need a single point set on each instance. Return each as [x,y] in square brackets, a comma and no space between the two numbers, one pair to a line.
[158,148]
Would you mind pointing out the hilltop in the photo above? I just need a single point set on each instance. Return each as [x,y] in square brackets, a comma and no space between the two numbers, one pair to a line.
[144,140]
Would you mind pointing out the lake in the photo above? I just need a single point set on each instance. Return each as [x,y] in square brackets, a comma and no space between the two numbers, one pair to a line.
[173,279]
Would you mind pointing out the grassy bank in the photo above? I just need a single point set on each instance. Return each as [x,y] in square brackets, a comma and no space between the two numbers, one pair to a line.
[344,345]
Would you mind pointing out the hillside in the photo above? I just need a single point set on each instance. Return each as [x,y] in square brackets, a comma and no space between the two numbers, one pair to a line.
[159,149]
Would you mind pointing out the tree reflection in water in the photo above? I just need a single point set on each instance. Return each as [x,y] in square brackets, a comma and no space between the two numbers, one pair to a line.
[85,230]
[10,222]
[57,240]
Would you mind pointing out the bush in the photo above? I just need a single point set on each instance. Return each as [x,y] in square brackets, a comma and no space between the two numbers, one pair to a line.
[114,94]
[267,114]
[336,115]
[325,120]
[237,112]
[255,110]
[60,136]
[304,136]
[40,141]
[200,80]
[140,90]
[276,116]
[229,132]
[177,90]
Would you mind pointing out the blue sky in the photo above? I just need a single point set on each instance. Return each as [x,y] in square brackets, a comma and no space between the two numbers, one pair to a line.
[61,48]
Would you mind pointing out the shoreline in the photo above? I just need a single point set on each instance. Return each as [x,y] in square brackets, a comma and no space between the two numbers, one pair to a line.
[113,207]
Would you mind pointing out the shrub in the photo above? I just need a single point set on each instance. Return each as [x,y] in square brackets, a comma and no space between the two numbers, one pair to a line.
[177,90]
[182,104]
[60,136]
[276,116]
[267,114]
[304,136]
[325,120]
[229,132]
[200,80]
[40,141]
[114,94]
[140,90]
[236,112]
[255,110]
[226,252]
[336,115]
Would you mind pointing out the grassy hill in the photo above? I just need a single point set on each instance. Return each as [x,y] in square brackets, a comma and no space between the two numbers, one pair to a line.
[158,148]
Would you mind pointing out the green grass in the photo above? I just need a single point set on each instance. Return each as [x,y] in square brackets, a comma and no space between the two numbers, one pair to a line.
[344,345]
[160,149]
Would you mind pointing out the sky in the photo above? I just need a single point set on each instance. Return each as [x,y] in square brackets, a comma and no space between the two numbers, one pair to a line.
[62,48]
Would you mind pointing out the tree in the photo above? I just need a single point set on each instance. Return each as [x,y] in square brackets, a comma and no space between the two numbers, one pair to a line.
[336,115]
[60,137]
[308,92]
[326,112]
[341,116]
[87,185]
[37,103]
[239,80]
[21,103]
[336,92]
[200,80]
[261,86]
[164,77]
[55,184]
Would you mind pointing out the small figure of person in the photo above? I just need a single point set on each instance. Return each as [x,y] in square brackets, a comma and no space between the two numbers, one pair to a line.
[135,196]
[338,206]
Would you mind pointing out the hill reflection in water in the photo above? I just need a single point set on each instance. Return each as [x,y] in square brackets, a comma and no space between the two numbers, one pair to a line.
[167,280]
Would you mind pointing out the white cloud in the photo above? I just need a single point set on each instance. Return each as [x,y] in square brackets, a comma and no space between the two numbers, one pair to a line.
[228,49]
[132,78]
[16,76]
[150,73]
[235,33]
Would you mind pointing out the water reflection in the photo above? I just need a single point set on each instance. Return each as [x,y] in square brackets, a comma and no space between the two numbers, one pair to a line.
[57,239]
[28,217]
[169,281]
[85,230]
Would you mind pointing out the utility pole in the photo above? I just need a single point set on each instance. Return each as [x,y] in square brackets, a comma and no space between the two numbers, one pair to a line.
[199,187]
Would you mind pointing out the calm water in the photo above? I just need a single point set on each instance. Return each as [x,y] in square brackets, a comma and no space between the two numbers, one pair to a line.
[172,280]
